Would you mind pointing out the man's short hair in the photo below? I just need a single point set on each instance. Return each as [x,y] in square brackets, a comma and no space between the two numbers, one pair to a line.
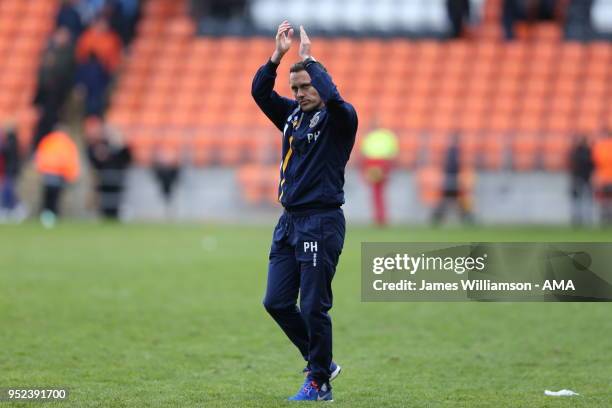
[301,66]
[297,67]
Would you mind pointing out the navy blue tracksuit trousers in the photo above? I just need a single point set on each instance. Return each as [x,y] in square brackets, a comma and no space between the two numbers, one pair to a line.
[305,250]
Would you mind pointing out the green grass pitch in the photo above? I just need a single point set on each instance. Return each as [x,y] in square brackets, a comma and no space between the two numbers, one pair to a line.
[171,316]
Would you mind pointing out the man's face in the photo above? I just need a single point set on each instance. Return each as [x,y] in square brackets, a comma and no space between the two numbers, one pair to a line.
[303,91]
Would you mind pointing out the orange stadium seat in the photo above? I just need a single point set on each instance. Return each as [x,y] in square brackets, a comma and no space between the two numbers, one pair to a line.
[259,183]
[409,149]
[458,50]
[487,51]
[472,121]
[572,51]
[142,147]
[429,183]
[180,27]
[560,123]
[500,121]
[592,103]
[470,147]
[232,148]
[561,106]
[597,69]
[489,32]
[414,120]
[565,87]
[555,151]
[483,68]
[443,121]
[203,149]
[570,69]
[475,103]
[547,32]
[525,147]
[494,147]
[436,145]
[594,88]
[600,51]
[589,123]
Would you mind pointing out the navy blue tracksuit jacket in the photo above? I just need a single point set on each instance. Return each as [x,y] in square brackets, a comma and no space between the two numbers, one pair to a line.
[318,143]
[309,236]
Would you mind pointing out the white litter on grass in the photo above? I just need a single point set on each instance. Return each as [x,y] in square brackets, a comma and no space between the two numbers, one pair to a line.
[562,393]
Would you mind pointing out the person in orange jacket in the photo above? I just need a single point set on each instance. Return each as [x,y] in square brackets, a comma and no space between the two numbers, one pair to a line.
[602,156]
[57,160]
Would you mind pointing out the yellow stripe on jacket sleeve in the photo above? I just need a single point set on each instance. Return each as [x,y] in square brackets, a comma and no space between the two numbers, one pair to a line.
[288,155]
[285,162]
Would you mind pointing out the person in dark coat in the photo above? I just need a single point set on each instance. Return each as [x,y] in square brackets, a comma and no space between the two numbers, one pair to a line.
[9,170]
[110,158]
[55,80]
[458,13]
[581,167]
[68,16]
[452,190]
[94,79]
[167,170]
[525,10]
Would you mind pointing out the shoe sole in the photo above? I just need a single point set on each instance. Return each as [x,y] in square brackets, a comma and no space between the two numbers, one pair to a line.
[335,373]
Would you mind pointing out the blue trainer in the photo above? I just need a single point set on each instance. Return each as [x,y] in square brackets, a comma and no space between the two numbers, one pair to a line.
[334,368]
[335,371]
[312,392]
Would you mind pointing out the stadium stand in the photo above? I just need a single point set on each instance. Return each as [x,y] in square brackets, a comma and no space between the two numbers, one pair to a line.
[488,89]
[517,104]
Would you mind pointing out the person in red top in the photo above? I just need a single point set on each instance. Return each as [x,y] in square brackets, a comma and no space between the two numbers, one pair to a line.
[379,151]
[102,42]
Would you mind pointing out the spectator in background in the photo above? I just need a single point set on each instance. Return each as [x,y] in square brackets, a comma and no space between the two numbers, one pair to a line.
[90,9]
[102,42]
[55,80]
[68,16]
[221,10]
[93,80]
[526,10]
[452,189]
[166,169]
[581,169]
[602,155]
[123,16]
[379,151]
[9,172]
[220,16]
[57,160]
[110,158]
[458,13]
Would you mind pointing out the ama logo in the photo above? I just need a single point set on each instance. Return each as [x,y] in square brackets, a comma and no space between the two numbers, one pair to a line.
[558,285]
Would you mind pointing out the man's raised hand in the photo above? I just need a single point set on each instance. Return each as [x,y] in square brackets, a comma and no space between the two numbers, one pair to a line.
[304,51]
[284,35]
